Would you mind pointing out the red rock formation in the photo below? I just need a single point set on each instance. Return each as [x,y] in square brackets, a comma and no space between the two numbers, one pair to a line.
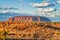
[24,18]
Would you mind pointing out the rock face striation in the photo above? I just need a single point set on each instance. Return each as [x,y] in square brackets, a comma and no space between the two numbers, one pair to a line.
[28,19]
[24,18]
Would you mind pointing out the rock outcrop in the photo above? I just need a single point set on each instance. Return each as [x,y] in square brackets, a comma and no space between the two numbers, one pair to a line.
[29,19]
[24,18]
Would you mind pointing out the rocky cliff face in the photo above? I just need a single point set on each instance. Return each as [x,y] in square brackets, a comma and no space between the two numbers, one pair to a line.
[24,18]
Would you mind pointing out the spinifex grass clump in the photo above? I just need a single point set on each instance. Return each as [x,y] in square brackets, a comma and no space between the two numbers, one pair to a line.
[2,36]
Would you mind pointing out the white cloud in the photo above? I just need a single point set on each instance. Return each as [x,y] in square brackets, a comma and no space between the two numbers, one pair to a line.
[47,14]
[10,11]
[58,1]
[7,8]
[54,14]
[40,4]
[46,9]
[4,11]
[51,15]
[57,13]
[10,16]
[40,9]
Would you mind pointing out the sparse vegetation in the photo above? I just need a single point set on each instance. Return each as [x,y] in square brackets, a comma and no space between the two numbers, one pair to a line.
[30,30]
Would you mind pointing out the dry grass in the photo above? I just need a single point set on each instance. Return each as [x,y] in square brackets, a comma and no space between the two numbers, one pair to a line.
[30,30]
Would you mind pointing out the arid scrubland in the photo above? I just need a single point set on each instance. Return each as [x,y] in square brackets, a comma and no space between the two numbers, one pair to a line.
[30,30]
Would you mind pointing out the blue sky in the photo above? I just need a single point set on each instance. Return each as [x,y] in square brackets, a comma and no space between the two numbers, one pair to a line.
[46,8]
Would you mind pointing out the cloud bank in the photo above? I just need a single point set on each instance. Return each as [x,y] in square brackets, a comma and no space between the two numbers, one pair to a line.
[8,8]
[46,8]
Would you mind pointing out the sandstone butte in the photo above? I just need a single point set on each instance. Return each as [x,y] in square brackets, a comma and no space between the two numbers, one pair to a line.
[24,18]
